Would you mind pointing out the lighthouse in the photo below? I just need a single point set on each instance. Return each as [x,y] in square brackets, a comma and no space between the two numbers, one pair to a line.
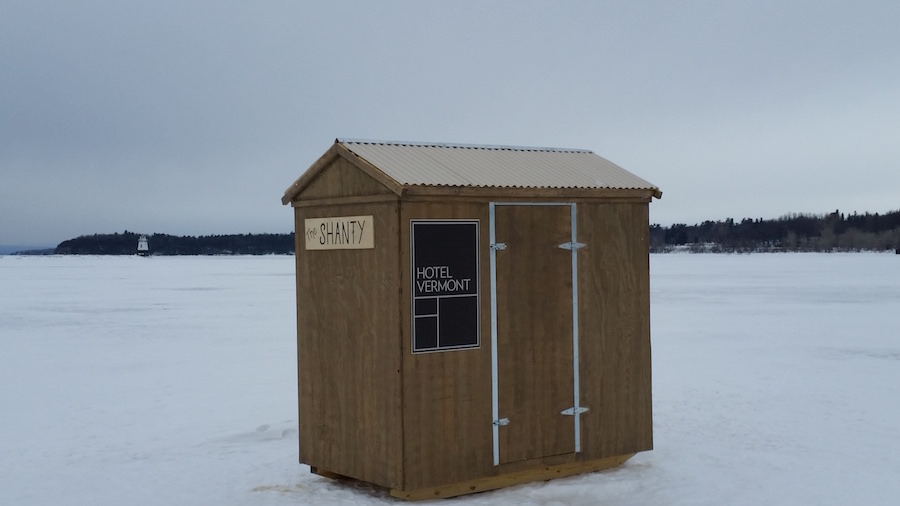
[143,248]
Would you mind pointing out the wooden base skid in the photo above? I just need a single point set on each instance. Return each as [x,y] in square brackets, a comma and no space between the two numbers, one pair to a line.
[509,479]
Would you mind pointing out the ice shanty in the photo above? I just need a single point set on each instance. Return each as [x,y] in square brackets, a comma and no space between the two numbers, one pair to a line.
[470,317]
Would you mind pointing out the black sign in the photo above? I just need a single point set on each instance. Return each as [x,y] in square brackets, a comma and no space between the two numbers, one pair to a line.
[445,298]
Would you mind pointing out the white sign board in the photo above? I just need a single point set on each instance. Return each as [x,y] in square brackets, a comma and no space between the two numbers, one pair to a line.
[340,232]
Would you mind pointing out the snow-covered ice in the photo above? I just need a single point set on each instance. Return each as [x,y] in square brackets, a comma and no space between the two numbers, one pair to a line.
[172,380]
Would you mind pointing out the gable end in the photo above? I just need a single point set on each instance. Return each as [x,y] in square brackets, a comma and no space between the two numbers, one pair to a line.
[340,173]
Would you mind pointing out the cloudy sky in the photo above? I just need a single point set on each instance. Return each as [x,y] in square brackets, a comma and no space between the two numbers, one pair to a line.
[188,117]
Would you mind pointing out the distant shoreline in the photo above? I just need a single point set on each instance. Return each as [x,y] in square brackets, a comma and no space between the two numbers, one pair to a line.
[832,232]
[26,250]
[126,243]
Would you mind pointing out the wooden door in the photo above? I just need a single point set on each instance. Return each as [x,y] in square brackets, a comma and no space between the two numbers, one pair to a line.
[534,331]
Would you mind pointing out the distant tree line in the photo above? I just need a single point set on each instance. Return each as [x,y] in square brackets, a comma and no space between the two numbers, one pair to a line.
[164,244]
[793,232]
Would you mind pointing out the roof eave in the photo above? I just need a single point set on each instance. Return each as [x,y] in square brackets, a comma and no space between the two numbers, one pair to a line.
[306,178]
[516,192]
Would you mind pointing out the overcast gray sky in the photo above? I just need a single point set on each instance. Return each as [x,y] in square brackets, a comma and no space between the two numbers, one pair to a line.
[191,118]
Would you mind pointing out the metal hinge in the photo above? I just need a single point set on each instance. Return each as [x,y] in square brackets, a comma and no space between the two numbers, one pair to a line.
[497,246]
[501,422]
[577,410]
[572,245]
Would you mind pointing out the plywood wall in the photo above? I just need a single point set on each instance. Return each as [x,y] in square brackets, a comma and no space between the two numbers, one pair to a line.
[446,395]
[614,317]
[348,351]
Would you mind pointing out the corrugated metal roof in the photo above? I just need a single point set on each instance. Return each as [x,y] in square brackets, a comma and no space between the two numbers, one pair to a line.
[494,166]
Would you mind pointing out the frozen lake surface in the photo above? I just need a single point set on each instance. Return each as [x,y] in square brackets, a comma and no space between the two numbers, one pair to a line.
[172,380]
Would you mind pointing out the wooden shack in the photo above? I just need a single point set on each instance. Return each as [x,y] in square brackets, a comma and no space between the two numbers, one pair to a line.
[470,317]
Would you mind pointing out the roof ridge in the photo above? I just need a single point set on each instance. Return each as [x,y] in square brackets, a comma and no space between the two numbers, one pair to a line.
[490,147]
